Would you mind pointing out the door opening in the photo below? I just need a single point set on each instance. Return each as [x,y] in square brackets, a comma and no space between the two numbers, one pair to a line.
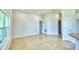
[59,27]
[40,27]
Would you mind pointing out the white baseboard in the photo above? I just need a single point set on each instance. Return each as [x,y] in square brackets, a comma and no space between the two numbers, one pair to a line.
[24,35]
[52,33]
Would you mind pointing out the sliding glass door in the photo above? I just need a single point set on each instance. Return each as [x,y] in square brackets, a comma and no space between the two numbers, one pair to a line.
[4,26]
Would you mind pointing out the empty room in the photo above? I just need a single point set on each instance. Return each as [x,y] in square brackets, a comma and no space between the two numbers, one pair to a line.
[39,29]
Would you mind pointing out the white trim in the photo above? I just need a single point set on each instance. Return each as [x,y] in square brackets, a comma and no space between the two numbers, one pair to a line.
[7,44]
[52,33]
[25,35]
[4,12]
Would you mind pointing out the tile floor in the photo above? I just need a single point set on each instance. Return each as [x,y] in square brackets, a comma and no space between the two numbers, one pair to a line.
[38,42]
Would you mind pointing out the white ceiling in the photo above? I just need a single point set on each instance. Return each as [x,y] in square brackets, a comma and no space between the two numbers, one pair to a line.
[39,11]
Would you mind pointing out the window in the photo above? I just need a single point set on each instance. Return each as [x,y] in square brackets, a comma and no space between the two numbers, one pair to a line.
[4,26]
[1,26]
[7,26]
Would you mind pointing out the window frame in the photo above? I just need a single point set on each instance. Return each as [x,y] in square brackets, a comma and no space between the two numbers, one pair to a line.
[4,28]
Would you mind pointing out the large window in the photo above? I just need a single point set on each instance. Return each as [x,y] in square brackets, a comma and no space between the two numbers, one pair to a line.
[4,26]
[1,26]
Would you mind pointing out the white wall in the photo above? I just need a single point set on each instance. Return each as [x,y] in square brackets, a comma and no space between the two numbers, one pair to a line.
[25,24]
[50,24]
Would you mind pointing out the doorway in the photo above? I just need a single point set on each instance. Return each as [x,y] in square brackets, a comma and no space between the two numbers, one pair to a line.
[59,18]
[40,26]
[59,27]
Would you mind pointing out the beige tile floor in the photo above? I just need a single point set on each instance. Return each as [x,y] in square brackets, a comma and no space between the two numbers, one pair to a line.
[38,42]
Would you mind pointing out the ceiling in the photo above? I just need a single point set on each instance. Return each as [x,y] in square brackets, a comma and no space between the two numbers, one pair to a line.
[39,11]
[42,11]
